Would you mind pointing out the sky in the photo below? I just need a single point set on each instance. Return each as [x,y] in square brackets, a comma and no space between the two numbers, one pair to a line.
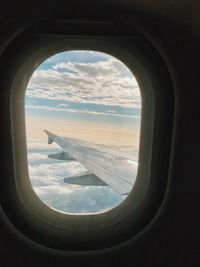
[87,95]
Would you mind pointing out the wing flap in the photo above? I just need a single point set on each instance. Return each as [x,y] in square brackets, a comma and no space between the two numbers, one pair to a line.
[87,179]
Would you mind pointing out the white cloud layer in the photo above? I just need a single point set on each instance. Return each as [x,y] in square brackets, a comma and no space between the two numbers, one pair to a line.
[104,82]
[80,111]
[47,178]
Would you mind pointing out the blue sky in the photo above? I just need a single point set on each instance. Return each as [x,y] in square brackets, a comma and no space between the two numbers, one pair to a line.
[84,85]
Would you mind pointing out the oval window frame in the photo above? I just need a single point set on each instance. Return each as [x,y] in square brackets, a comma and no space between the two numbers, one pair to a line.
[90,232]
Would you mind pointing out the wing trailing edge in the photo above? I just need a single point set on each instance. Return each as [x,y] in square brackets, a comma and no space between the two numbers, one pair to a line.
[85,178]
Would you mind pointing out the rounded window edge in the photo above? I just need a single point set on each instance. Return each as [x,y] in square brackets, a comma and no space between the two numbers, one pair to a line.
[111,147]
[126,220]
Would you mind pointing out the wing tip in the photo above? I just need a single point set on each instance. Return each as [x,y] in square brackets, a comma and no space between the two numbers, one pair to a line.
[47,132]
[50,139]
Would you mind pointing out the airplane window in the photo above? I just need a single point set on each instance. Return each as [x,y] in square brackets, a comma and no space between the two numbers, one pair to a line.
[83,112]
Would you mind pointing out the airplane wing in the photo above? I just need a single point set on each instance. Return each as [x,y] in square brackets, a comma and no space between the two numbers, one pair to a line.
[109,166]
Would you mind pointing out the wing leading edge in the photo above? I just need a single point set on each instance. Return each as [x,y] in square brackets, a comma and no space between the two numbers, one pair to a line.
[117,171]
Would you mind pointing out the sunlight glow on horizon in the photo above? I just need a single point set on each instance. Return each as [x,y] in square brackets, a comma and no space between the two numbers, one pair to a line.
[88,131]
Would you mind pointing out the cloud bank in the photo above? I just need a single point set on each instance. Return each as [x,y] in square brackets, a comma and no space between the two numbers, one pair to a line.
[107,82]
[47,178]
[62,108]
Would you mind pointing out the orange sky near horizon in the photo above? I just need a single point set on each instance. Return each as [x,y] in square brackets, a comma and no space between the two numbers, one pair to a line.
[110,134]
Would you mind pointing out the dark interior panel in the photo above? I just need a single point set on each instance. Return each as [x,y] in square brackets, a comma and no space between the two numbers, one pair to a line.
[172,237]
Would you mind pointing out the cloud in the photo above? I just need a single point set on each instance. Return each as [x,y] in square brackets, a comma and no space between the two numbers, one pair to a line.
[78,56]
[106,82]
[111,111]
[34,145]
[62,105]
[47,178]
[36,156]
[61,108]
[78,200]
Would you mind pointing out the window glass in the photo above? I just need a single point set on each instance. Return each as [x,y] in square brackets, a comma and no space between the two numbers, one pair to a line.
[89,105]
